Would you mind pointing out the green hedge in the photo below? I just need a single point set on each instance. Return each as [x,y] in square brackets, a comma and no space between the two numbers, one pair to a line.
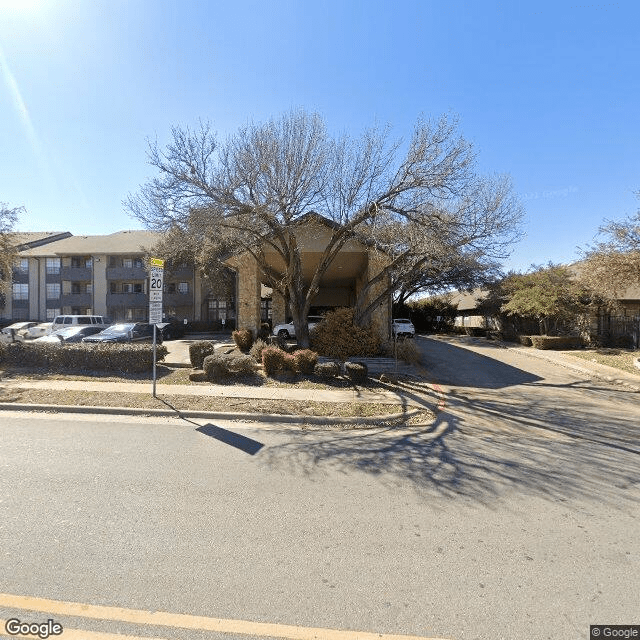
[123,358]
[556,342]
[199,350]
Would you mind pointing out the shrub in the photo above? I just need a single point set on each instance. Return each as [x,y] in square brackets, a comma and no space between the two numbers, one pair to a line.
[265,331]
[556,342]
[198,350]
[222,365]
[327,369]
[123,358]
[256,350]
[356,371]
[273,360]
[406,350]
[243,338]
[305,360]
[337,337]
[525,340]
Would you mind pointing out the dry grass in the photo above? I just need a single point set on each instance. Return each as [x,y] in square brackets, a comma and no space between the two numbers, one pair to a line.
[618,358]
[196,403]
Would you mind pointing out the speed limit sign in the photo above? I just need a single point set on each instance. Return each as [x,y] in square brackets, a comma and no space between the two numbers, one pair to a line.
[156,278]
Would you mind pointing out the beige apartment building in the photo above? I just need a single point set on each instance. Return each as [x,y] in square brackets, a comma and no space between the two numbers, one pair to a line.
[102,275]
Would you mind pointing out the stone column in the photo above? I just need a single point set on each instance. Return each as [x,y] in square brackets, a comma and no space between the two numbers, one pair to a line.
[381,315]
[278,308]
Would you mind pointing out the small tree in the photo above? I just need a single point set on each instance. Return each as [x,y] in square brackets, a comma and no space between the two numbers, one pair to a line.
[552,295]
[612,264]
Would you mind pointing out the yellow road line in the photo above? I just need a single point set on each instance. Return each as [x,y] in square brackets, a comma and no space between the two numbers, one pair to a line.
[185,621]
[79,634]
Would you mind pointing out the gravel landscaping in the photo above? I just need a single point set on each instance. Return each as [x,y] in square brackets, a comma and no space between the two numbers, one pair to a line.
[618,358]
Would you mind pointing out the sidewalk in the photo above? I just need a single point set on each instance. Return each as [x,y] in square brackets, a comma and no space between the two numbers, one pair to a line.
[594,369]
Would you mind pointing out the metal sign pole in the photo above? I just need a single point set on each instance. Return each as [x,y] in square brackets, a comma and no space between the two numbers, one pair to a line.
[154,361]
[156,285]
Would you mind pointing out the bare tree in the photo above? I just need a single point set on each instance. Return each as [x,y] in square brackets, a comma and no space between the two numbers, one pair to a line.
[612,264]
[417,202]
[8,249]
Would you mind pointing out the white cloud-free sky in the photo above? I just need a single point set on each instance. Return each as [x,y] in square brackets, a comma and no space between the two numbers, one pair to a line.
[549,92]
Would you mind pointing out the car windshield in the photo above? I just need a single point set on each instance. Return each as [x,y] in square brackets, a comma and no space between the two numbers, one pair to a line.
[118,328]
[403,321]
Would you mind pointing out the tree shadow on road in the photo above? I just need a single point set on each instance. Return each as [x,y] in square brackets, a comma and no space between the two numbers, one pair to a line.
[466,454]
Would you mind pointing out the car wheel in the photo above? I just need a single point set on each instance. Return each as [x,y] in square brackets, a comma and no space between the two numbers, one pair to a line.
[283,333]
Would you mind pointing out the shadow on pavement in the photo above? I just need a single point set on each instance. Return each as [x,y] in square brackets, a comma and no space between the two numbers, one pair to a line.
[468,453]
[456,366]
[248,445]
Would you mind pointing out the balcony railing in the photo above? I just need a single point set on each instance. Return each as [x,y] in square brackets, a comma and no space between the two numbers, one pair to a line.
[76,273]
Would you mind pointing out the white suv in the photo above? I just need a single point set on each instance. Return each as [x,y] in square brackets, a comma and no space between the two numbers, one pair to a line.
[403,328]
[289,331]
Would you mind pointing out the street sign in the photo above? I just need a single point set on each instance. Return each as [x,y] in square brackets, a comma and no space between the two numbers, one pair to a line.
[156,285]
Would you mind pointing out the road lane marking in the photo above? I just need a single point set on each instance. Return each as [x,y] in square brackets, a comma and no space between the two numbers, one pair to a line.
[186,621]
[79,634]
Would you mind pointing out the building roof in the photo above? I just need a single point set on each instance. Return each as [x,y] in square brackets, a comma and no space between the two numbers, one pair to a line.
[121,242]
[28,239]
[467,300]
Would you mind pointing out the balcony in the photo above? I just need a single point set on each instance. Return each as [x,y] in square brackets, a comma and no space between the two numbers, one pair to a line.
[177,299]
[127,273]
[76,300]
[78,274]
[127,300]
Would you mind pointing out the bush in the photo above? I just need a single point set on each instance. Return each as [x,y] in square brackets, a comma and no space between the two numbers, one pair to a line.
[327,369]
[123,358]
[222,365]
[256,350]
[356,371]
[273,360]
[337,337]
[305,360]
[265,331]
[525,340]
[199,350]
[243,338]
[556,342]
[406,350]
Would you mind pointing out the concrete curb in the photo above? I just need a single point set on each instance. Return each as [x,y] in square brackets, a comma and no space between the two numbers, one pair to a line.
[213,415]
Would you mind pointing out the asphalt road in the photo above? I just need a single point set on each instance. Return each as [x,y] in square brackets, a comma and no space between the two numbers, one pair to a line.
[515,515]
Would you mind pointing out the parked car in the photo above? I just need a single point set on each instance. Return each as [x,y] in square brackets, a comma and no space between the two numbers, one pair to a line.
[42,329]
[61,322]
[171,330]
[15,331]
[403,328]
[126,332]
[289,331]
[70,334]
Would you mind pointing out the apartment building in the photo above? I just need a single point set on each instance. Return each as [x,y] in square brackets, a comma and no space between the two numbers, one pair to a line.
[102,275]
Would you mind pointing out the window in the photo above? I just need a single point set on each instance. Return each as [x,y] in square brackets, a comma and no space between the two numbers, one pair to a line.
[127,287]
[77,262]
[112,262]
[170,287]
[22,266]
[183,287]
[88,263]
[113,287]
[137,263]
[89,288]
[135,315]
[127,263]
[20,291]
[53,291]
[53,266]
[75,288]
[137,287]
[51,314]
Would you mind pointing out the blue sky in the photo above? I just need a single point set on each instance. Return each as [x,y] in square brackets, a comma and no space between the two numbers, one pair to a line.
[549,92]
